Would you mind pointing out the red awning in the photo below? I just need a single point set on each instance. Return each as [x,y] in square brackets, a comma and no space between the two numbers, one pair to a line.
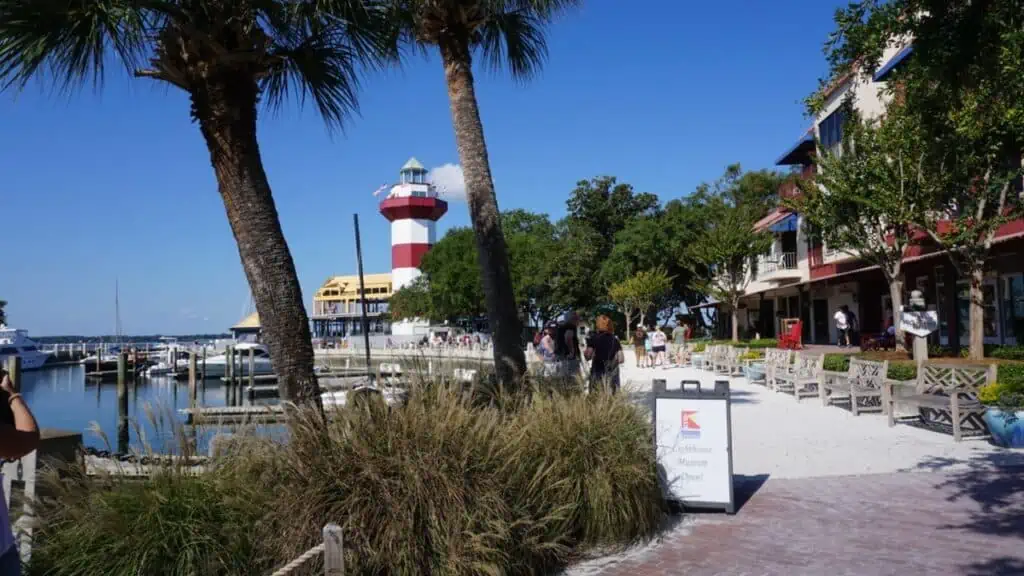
[773,217]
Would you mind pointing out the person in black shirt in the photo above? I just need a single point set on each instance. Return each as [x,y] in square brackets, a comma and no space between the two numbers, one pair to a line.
[605,354]
[567,346]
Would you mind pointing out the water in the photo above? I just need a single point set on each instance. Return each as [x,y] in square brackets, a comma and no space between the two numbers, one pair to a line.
[61,398]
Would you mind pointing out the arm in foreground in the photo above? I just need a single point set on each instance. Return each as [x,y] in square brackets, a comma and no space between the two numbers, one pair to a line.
[22,437]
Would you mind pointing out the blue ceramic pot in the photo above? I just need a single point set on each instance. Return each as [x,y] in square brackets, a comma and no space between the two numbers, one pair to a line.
[1007,429]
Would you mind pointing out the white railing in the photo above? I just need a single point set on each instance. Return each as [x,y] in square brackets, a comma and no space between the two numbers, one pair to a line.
[768,263]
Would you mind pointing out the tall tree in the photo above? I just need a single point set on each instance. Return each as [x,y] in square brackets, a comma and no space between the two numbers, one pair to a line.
[504,33]
[864,200]
[728,246]
[227,56]
[639,293]
[412,301]
[532,249]
[964,85]
[453,278]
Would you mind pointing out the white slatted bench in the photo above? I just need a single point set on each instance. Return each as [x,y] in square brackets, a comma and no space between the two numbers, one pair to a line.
[862,385]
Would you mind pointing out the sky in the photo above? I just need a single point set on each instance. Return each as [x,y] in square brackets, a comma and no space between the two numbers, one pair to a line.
[112,185]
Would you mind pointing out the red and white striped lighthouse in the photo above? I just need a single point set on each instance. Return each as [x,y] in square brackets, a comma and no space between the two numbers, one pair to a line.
[413,208]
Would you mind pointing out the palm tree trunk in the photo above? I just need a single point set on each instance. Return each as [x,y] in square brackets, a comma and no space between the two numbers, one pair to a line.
[509,359]
[227,119]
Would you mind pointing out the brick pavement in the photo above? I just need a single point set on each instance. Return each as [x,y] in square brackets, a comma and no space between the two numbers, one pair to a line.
[950,520]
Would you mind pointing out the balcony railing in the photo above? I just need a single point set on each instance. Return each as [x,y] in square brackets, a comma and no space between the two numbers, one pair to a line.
[769,263]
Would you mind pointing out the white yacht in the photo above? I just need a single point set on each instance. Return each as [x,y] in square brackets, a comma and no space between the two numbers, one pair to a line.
[17,343]
[216,366]
[175,361]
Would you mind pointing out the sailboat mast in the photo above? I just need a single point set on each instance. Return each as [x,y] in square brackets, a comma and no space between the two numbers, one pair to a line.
[117,312]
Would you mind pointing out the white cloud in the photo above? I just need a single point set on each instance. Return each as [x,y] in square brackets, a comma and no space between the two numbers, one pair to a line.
[449,182]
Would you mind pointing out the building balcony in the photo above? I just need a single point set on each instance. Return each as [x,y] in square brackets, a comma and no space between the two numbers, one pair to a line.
[781,266]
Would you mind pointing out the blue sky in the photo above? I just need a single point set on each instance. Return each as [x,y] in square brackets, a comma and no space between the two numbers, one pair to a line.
[116,182]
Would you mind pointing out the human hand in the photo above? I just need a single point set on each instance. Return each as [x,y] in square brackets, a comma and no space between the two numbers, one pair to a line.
[5,383]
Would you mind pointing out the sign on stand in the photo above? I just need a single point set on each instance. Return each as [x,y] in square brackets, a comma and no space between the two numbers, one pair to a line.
[693,441]
[920,323]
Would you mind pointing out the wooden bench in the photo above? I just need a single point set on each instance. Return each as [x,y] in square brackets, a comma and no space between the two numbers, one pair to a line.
[730,363]
[775,359]
[946,396]
[862,384]
[801,379]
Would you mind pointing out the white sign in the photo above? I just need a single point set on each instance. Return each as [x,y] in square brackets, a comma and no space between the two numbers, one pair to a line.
[920,323]
[692,437]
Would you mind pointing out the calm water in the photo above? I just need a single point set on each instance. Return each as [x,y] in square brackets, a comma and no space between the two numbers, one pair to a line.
[62,398]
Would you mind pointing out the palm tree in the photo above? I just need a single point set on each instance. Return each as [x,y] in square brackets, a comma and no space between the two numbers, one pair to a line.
[228,55]
[504,33]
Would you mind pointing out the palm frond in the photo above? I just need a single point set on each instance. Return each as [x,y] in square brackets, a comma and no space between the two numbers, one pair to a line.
[516,40]
[320,48]
[73,39]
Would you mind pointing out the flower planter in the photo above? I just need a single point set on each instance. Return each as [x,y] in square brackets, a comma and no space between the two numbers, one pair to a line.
[1007,429]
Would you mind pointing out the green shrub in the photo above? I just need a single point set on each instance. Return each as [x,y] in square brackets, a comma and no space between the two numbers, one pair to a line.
[1007,352]
[837,362]
[699,347]
[761,343]
[1012,374]
[902,371]
[448,483]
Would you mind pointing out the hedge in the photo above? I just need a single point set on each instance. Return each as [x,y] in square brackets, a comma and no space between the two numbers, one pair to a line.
[1007,373]
[752,344]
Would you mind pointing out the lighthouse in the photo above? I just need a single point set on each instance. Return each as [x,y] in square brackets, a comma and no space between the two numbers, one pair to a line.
[413,208]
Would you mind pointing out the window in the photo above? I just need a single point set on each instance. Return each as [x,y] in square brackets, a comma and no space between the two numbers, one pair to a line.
[1013,307]
[8,350]
[830,130]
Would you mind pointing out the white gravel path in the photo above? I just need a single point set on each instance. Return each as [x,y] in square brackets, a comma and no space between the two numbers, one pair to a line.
[774,434]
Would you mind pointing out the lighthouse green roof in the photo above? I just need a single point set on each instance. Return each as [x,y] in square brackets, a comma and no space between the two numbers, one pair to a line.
[413,165]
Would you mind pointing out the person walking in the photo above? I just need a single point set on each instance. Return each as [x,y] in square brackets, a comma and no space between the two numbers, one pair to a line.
[546,351]
[842,328]
[679,336]
[658,343]
[567,346]
[640,346]
[19,435]
[853,327]
[605,355]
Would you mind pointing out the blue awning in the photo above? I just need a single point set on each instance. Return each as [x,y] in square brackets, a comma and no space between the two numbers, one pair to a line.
[884,72]
[799,153]
[787,224]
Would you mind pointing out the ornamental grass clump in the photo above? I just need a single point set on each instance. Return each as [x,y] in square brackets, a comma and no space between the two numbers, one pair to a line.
[458,480]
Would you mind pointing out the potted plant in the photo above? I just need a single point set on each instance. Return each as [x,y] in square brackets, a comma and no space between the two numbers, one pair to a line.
[1004,415]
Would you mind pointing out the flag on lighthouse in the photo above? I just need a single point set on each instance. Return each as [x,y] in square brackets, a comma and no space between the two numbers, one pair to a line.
[382,188]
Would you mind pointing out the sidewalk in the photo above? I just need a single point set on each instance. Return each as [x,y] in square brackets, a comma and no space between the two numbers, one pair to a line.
[824,492]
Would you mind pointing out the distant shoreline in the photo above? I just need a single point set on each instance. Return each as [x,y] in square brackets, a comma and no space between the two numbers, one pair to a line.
[113,339]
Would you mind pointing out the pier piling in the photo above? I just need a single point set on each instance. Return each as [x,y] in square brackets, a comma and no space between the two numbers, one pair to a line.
[192,378]
[252,368]
[229,372]
[122,403]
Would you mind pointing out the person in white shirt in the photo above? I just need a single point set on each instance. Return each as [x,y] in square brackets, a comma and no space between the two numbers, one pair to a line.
[842,328]
[658,342]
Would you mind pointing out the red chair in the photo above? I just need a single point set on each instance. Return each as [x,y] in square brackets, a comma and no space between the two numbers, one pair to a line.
[793,338]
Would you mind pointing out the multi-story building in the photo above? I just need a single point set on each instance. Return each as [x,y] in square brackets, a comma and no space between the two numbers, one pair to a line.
[337,306]
[801,278]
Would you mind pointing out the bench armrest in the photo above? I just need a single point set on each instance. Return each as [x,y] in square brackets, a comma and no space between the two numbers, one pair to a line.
[903,384]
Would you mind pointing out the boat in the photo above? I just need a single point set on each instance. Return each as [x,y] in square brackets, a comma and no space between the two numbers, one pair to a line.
[216,366]
[14,342]
[167,366]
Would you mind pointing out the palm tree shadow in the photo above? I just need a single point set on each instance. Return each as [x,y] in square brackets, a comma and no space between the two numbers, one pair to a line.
[994,482]
[1003,566]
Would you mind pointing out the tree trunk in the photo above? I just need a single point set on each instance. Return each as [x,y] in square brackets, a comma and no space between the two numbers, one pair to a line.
[628,314]
[896,295]
[735,317]
[509,359]
[976,318]
[226,112]
[643,317]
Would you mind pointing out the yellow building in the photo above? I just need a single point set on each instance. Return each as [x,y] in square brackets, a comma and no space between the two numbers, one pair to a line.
[337,306]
